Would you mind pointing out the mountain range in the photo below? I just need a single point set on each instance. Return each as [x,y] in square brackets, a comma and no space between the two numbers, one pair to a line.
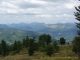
[20,30]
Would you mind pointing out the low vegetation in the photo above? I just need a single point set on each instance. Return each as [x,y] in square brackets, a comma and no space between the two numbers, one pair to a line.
[65,53]
[43,49]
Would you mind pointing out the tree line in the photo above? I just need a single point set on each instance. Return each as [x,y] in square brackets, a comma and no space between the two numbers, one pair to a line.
[44,44]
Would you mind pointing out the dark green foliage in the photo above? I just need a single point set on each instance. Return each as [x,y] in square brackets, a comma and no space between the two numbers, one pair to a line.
[76,44]
[76,41]
[0,49]
[36,46]
[11,47]
[56,47]
[62,41]
[49,49]
[4,47]
[15,46]
[26,41]
[48,39]
[31,47]
[44,40]
[44,45]
[19,46]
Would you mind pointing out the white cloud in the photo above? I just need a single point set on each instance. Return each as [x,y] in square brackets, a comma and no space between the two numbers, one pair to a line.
[13,11]
[47,11]
[44,16]
[69,5]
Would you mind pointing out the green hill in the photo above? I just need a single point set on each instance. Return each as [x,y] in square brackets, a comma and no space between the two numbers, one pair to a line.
[10,35]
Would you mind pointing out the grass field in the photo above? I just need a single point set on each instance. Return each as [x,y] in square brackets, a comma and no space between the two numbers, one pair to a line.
[65,53]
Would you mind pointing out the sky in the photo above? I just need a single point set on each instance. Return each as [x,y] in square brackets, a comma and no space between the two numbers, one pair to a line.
[42,11]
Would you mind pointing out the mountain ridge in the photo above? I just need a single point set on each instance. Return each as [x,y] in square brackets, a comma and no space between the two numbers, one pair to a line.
[66,30]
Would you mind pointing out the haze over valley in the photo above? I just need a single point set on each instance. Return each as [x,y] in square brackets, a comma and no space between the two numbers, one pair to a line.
[12,32]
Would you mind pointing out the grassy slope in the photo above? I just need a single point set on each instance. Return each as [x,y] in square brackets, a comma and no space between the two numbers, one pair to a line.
[10,35]
[65,53]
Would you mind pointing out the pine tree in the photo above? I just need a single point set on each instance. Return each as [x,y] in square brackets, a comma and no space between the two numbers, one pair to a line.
[62,41]
[56,47]
[48,39]
[4,47]
[44,40]
[15,46]
[24,41]
[19,46]
[49,49]
[31,47]
[76,42]
[27,42]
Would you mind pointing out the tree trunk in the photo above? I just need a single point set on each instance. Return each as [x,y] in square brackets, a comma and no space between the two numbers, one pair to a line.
[78,55]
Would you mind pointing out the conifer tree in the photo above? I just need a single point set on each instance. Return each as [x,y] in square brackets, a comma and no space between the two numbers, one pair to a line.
[4,47]
[27,42]
[31,47]
[15,45]
[76,41]
[49,49]
[62,41]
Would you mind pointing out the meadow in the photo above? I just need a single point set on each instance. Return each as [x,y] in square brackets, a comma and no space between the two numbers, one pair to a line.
[65,53]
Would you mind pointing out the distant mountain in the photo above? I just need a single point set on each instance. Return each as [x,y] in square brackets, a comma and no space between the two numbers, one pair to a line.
[10,35]
[3,26]
[66,30]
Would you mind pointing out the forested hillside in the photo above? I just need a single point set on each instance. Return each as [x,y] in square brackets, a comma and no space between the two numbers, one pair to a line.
[10,35]
[66,30]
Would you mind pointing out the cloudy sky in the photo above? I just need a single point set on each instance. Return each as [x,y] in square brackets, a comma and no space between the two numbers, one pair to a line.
[47,11]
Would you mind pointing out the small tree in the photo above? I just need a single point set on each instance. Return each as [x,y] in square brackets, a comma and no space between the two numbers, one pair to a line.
[24,42]
[48,39]
[49,49]
[4,47]
[31,47]
[15,46]
[62,41]
[19,46]
[76,46]
[56,47]
[36,46]
[44,40]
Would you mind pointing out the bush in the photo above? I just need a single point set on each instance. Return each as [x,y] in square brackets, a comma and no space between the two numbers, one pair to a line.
[49,49]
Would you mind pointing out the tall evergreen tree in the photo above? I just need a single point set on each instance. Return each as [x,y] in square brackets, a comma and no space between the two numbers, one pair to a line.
[76,42]
[15,45]
[19,46]
[31,47]
[27,42]
[4,47]
[24,41]
[49,49]
[62,41]
[44,40]
[0,49]
[48,39]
